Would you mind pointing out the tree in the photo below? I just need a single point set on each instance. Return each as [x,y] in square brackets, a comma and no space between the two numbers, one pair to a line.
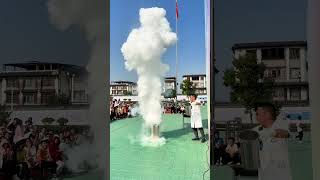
[47,120]
[62,121]
[248,83]
[127,93]
[187,87]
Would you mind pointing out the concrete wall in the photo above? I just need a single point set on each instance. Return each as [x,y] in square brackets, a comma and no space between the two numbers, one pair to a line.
[75,116]
[223,114]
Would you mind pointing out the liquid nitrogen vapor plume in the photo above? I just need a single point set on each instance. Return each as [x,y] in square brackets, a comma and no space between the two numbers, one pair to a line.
[90,16]
[142,52]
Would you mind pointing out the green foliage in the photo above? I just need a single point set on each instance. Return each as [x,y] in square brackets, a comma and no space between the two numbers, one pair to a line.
[187,87]
[47,120]
[62,121]
[248,83]
[127,93]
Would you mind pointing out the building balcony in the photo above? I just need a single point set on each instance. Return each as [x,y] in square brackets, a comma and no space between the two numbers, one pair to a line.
[29,73]
[9,88]
[48,87]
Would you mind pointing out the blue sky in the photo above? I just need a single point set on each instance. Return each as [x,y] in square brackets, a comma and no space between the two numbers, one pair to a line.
[26,33]
[191,46]
[236,22]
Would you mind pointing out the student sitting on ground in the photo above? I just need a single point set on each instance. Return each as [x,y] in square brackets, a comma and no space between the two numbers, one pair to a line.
[23,170]
[8,159]
[44,160]
[31,153]
[232,152]
[56,153]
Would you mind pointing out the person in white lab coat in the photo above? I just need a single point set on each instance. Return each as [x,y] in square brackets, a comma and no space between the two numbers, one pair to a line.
[196,120]
[273,135]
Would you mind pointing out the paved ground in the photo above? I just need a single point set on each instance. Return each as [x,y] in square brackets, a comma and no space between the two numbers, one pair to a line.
[300,162]
[179,159]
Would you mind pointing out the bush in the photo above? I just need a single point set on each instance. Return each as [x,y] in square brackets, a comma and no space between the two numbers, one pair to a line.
[48,120]
[57,128]
[62,121]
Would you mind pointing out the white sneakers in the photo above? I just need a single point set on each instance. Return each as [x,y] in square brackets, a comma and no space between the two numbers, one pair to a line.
[60,166]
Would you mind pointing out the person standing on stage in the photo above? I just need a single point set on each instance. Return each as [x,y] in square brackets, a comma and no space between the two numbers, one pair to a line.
[196,120]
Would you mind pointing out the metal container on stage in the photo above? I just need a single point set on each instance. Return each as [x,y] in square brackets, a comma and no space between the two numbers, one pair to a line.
[249,149]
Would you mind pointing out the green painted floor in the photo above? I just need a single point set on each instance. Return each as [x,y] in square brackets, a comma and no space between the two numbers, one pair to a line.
[179,159]
[300,162]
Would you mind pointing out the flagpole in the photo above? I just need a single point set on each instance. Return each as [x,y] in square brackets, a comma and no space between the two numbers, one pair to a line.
[177,51]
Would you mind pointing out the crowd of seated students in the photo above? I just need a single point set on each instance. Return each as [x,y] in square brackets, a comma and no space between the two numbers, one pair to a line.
[27,151]
[226,154]
[120,109]
[173,109]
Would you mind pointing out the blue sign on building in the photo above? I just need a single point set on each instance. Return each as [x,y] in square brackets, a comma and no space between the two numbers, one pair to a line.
[295,116]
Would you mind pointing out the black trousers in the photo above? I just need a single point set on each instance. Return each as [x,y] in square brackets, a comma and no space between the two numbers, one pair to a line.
[23,171]
[300,136]
[195,131]
[235,159]
[217,154]
[51,165]
[9,168]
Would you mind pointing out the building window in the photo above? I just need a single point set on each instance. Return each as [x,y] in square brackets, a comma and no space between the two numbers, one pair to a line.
[272,53]
[48,82]
[29,98]
[294,53]
[295,94]
[294,73]
[279,93]
[12,99]
[195,78]
[276,73]
[251,53]
[201,78]
[12,83]
[29,83]
[80,96]
[46,98]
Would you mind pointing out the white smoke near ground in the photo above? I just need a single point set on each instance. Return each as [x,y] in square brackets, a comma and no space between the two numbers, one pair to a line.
[144,139]
[142,52]
[135,111]
[77,164]
[90,16]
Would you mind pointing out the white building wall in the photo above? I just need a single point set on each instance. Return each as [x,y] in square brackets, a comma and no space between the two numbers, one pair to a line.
[224,114]
[3,89]
[287,55]
[304,94]
[259,56]
[303,69]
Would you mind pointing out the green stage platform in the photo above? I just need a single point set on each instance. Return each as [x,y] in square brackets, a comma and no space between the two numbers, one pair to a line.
[179,159]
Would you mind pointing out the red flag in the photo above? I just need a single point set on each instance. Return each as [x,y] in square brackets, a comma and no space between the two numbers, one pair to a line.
[177,10]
